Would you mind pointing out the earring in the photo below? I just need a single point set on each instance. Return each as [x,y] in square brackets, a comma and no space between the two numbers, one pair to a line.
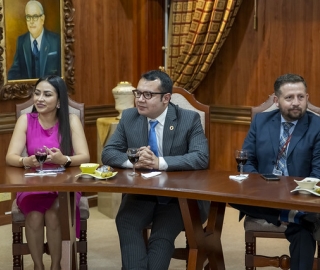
[58,106]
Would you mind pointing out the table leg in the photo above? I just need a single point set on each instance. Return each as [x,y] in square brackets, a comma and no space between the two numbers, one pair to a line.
[67,212]
[204,243]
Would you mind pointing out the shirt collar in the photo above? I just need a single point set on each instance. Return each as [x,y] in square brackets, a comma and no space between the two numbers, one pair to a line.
[283,120]
[161,118]
[39,38]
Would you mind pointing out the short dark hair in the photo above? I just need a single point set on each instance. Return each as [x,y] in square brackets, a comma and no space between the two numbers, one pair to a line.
[287,78]
[165,81]
[62,112]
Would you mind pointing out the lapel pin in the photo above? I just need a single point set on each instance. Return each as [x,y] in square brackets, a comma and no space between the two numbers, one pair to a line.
[171,127]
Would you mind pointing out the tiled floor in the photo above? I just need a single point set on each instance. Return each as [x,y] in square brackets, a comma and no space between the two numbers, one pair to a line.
[104,246]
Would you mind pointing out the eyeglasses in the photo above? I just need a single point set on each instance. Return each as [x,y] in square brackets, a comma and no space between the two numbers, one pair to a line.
[33,17]
[146,94]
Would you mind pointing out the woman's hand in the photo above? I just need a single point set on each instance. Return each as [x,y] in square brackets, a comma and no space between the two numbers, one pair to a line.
[55,156]
[30,161]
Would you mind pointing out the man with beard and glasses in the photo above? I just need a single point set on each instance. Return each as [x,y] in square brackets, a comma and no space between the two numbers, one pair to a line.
[287,142]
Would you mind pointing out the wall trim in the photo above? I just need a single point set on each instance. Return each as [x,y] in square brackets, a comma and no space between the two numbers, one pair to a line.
[223,114]
[240,115]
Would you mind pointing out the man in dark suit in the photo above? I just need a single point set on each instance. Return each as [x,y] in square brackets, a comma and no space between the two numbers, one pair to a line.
[180,145]
[38,52]
[298,155]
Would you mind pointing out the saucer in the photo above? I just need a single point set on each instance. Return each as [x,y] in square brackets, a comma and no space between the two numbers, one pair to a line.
[95,175]
[307,191]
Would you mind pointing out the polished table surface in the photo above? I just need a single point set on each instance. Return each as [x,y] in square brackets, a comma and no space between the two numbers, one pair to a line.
[188,186]
[204,184]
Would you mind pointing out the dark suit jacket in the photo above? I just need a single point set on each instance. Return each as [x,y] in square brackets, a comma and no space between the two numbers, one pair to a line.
[262,141]
[50,57]
[185,146]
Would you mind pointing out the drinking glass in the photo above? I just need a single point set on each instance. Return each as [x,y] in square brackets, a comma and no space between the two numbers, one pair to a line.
[41,156]
[241,158]
[133,156]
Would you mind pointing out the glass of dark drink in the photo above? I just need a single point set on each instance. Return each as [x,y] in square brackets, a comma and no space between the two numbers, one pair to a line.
[41,156]
[241,158]
[133,156]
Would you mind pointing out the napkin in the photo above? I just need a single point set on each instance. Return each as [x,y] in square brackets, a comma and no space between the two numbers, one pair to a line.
[40,174]
[238,178]
[148,175]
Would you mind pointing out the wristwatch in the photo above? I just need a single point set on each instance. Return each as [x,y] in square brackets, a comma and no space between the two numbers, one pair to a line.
[67,164]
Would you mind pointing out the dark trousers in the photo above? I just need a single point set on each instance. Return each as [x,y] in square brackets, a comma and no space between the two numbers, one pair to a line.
[302,245]
[135,213]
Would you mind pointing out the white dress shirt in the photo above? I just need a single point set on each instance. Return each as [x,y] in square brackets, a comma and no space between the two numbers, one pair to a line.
[159,132]
[39,39]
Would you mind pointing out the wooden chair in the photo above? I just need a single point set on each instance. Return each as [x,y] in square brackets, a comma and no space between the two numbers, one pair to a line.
[255,228]
[19,248]
[186,100]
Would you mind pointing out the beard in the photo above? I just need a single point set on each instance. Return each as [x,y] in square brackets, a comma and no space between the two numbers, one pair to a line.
[293,114]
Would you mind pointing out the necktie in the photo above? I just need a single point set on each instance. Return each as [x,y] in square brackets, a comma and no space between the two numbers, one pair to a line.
[154,148]
[35,50]
[153,137]
[282,163]
[35,60]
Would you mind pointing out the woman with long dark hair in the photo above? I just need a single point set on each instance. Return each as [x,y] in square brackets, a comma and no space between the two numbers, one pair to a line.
[50,125]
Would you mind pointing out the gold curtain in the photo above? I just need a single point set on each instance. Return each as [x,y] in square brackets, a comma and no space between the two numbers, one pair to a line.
[197,30]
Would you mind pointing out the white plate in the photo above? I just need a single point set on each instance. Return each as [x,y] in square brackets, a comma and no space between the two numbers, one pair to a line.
[95,175]
[306,191]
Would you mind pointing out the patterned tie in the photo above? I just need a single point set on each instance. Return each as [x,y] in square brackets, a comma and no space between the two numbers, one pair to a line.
[153,137]
[282,163]
[35,50]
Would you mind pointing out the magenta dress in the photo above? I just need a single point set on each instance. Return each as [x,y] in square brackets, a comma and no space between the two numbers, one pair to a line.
[41,201]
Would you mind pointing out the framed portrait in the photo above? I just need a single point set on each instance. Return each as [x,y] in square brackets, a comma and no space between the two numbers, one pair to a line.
[36,39]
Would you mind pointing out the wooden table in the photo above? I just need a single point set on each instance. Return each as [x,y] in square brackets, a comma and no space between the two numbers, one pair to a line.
[187,186]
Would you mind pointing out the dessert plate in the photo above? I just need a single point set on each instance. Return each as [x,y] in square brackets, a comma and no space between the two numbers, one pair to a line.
[95,175]
[307,191]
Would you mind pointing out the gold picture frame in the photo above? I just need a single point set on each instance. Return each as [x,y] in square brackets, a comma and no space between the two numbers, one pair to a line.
[22,87]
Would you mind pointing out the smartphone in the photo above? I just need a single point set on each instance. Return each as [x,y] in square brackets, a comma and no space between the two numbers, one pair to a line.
[270,177]
[57,169]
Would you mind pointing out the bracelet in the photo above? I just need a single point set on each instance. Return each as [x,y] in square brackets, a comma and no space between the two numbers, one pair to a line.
[25,166]
[20,161]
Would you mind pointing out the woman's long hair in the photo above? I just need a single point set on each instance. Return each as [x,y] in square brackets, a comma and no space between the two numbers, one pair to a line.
[62,112]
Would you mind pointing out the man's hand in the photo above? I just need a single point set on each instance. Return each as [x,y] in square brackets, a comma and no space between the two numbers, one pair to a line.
[147,159]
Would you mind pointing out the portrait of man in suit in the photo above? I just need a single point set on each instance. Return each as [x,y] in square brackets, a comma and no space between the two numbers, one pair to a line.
[38,52]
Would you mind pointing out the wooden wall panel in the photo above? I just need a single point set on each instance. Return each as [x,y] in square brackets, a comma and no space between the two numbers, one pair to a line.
[224,140]
[286,41]
[103,49]
[114,41]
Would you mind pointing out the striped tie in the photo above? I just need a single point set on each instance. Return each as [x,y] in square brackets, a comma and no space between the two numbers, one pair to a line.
[282,163]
